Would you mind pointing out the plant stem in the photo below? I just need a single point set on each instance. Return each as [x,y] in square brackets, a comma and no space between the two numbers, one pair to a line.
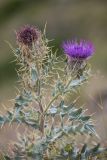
[42,118]
[57,95]
[69,82]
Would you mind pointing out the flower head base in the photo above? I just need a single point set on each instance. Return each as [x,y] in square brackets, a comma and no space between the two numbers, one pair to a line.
[78,50]
[27,35]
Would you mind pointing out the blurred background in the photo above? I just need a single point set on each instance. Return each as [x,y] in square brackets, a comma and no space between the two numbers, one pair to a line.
[66,19]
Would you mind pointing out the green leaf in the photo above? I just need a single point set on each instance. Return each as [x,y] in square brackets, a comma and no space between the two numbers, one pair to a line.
[2,120]
[75,113]
[90,128]
[52,111]
[59,87]
[84,118]
[24,99]
[77,82]
[34,74]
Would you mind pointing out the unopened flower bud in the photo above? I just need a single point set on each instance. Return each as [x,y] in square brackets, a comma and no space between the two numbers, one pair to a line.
[27,35]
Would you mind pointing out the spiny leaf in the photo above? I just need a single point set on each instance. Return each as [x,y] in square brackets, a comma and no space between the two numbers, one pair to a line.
[34,74]
[75,113]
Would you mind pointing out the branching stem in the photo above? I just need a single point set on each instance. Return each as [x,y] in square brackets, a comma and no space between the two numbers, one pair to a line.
[49,104]
[57,95]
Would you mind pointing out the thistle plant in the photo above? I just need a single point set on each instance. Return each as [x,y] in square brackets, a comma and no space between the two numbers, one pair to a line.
[46,79]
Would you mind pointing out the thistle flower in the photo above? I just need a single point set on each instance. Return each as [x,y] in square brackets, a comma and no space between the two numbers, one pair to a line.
[27,35]
[77,53]
[78,50]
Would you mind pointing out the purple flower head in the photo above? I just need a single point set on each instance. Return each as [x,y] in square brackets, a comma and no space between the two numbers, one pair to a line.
[27,34]
[78,50]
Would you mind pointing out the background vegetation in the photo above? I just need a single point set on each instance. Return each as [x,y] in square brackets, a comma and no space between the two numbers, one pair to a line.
[66,19]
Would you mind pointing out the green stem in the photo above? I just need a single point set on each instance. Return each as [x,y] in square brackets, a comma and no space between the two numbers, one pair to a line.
[68,83]
[57,95]
[42,121]
[49,104]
